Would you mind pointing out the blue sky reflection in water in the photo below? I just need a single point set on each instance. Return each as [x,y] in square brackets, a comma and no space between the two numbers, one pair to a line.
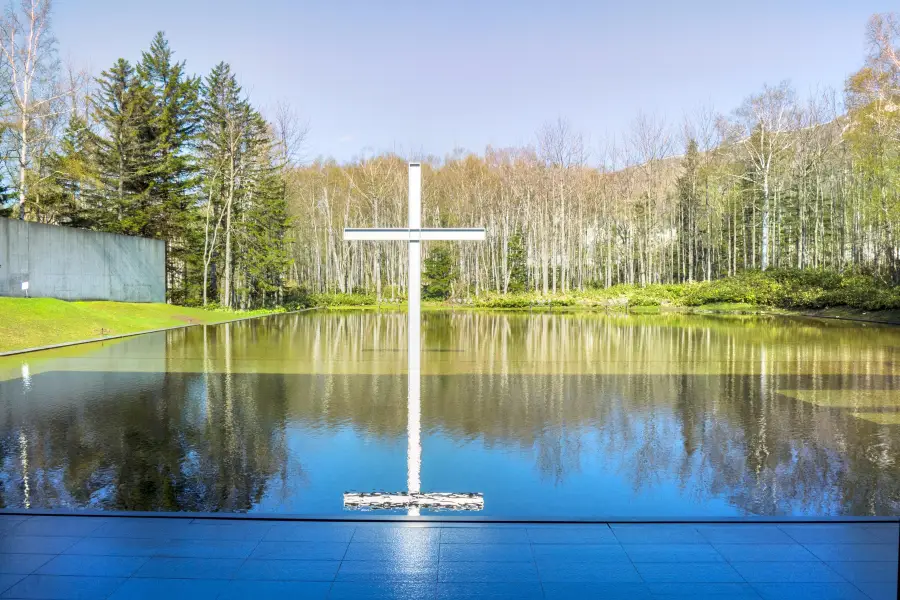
[558,414]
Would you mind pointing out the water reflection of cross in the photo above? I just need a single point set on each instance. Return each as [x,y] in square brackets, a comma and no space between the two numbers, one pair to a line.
[414,235]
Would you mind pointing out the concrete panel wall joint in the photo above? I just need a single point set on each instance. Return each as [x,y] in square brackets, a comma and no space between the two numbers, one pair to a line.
[77,264]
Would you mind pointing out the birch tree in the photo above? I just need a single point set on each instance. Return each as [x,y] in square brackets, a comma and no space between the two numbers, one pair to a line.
[30,67]
[766,120]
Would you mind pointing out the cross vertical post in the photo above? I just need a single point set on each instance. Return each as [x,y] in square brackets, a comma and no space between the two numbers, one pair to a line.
[413,498]
[414,336]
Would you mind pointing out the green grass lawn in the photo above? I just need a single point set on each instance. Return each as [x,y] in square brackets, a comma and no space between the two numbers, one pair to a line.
[32,322]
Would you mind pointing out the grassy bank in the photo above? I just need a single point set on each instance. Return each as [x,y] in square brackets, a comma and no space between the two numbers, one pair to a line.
[789,290]
[784,289]
[32,322]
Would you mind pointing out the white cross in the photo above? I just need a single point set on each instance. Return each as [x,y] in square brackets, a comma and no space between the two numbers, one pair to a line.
[414,234]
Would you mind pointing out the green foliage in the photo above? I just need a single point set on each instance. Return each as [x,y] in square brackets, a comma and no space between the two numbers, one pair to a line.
[518,267]
[641,299]
[523,300]
[798,289]
[339,299]
[159,155]
[244,202]
[439,273]
[172,124]
[136,174]
[777,288]
[296,298]
[165,154]
[74,176]
[749,288]
[504,301]
[123,156]
[7,201]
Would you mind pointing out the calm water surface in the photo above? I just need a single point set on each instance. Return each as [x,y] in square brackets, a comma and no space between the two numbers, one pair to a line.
[558,414]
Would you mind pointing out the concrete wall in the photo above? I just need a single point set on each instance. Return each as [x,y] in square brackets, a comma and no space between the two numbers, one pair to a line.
[77,264]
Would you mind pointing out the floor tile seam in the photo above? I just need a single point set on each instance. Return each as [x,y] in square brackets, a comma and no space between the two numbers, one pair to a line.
[78,540]
[113,591]
[154,554]
[810,550]
[712,562]
[3,590]
[439,562]
[787,533]
[722,556]
[245,559]
[702,562]
[43,535]
[754,585]
[537,570]
[440,544]
[153,577]
[855,586]
[52,556]
[613,532]
[865,595]
[814,559]
[220,594]
[628,556]
[116,588]
[343,559]
[144,560]
[99,525]
[828,567]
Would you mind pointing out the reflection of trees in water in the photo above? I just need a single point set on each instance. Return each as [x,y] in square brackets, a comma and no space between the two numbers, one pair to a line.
[709,433]
[655,399]
[138,441]
[710,384]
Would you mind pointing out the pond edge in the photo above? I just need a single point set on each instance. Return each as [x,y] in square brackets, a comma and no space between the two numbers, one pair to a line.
[445,518]
[135,333]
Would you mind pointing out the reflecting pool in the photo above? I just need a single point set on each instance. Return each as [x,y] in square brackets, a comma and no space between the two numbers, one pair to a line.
[545,414]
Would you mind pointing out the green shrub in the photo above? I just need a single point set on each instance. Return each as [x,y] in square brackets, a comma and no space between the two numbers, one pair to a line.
[339,299]
[782,288]
[639,299]
[558,301]
[796,289]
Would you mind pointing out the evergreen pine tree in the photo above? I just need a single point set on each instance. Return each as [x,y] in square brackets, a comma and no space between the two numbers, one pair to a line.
[173,126]
[518,267]
[73,178]
[224,117]
[265,219]
[439,273]
[7,200]
[124,155]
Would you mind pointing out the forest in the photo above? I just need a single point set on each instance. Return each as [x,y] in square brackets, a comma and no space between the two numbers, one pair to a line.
[781,182]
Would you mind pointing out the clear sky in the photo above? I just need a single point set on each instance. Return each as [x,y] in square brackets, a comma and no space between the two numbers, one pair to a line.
[429,77]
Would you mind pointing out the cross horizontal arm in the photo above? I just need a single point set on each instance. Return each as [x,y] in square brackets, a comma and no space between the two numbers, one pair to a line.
[453,234]
[376,234]
[462,234]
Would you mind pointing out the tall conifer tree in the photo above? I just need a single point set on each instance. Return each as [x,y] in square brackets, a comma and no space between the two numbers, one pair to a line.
[173,125]
[124,150]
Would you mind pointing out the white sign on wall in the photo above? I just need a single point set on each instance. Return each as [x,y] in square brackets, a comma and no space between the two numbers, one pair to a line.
[24,286]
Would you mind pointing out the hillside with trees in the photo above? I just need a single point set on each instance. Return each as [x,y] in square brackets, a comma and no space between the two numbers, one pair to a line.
[148,148]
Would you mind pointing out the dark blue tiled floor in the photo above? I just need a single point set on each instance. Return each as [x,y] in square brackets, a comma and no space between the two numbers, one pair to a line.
[122,558]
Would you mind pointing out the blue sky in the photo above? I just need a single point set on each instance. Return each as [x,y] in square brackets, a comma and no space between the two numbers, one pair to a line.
[429,77]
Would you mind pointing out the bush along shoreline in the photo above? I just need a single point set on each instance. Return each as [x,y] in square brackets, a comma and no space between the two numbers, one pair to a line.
[787,289]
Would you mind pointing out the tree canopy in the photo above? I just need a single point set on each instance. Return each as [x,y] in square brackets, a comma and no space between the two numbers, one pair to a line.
[148,148]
